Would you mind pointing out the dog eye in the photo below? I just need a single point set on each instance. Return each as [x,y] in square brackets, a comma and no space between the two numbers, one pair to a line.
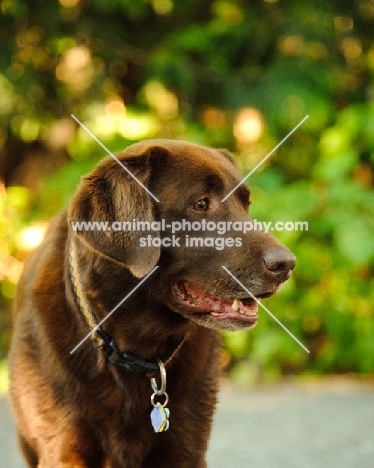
[201,205]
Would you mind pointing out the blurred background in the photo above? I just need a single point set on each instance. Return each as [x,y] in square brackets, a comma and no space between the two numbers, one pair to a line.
[224,73]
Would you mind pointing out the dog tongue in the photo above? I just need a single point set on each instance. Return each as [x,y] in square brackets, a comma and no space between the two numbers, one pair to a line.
[202,301]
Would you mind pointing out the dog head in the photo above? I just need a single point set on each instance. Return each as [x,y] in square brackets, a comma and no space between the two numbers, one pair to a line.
[175,187]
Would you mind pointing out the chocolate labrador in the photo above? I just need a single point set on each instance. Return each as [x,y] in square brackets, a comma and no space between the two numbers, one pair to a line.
[115,357]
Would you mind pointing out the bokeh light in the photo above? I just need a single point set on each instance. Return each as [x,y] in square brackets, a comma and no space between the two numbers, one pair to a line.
[249,125]
[31,237]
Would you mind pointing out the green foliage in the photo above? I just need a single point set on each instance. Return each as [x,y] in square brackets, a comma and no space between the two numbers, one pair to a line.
[187,69]
[328,304]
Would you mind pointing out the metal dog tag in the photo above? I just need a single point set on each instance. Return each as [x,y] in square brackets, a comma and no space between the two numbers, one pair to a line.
[160,414]
[160,418]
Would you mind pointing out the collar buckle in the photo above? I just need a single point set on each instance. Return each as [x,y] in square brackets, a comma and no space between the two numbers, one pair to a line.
[129,362]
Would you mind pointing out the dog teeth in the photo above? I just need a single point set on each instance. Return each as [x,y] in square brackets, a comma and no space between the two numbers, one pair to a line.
[235,305]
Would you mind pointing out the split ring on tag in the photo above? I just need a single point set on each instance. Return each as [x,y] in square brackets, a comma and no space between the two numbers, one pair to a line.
[165,402]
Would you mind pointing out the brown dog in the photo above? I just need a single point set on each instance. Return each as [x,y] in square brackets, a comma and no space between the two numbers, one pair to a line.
[91,408]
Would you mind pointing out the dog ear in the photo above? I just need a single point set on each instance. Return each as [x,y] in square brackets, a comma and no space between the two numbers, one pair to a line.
[110,195]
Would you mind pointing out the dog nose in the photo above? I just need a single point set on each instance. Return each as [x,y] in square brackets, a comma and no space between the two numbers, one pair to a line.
[280,261]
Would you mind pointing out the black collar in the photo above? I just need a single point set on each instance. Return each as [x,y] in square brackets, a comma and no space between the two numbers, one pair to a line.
[131,363]
[128,361]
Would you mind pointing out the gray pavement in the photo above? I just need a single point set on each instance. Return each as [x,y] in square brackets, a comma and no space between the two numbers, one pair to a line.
[314,425]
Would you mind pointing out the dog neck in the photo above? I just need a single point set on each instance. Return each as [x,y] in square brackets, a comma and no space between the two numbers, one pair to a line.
[142,367]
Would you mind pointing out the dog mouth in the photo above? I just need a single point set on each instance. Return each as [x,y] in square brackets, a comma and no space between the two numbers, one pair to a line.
[198,301]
